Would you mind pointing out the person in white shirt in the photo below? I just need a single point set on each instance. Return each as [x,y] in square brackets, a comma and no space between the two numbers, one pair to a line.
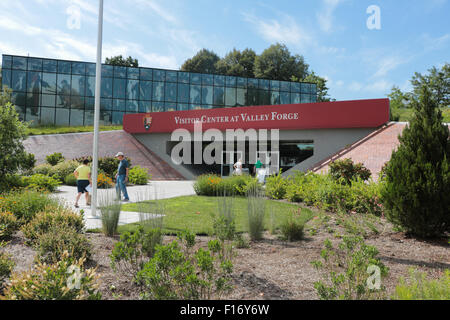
[238,167]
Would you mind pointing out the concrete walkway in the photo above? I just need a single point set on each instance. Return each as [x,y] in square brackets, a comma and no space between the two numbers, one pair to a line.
[154,190]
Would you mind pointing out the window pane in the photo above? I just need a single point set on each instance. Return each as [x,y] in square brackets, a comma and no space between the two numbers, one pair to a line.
[64,67]
[230,97]
[47,116]
[264,84]
[34,82]
[32,114]
[132,106]
[146,74]
[219,80]
[295,87]
[183,77]
[63,82]
[304,87]
[241,82]
[76,117]
[119,105]
[295,98]
[62,117]
[90,86]
[48,100]
[207,79]
[19,80]
[195,107]
[19,63]
[19,98]
[117,118]
[133,73]
[7,62]
[107,70]
[120,72]
[91,69]
[89,118]
[305,98]
[170,106]
[274,85]
[285,98]
[171,92]
[252,97]
[105,118]
[231,81]
[158,106]
[78,68]
[145,106]
[89,104]
[77,102]
[196,78]
[158,91]
[241,99]
[275,97]
[6,78]
[106,104]
[63,101]
[133,90]
[264,97]
[183,93]
[146,90]
[78,85]
[159,75]
[171,76]
[207,95]
[119,88]
[313,98]
[195,94]
[253,83]
[183,106]
[49,65]
[33,99]
[34,64]
[49,83]
[107,84]
[313,88]
[219,96]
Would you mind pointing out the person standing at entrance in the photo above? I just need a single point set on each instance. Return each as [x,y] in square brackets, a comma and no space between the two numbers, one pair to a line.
[122,177]
[238,167]
[83,176]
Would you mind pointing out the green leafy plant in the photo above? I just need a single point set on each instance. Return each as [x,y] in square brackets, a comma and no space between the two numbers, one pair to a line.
[44,169]
[63,169]
[347,271]
[173,273]
[138,175]
[292,227]
[418,287]
[276,186]
[70,180]
[54,159]
[40,182]
[345,171]
[64,280]
[8,225]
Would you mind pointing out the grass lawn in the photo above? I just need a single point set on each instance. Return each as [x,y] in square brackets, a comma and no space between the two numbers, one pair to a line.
[42,130]
[194,213]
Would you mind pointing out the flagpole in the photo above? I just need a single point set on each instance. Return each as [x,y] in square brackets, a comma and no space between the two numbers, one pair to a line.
[98,82]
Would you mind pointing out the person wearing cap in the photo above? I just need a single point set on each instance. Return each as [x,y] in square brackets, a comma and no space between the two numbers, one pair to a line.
[122,177]
[83,176]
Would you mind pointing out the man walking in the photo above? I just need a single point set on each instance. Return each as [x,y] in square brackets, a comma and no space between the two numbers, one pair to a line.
[122,177]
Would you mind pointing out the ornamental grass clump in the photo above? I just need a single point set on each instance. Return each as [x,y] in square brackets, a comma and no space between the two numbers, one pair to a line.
[224,221]
[110,208]
[256,209]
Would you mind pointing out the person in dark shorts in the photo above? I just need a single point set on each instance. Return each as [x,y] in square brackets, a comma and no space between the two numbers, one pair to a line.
[83,175]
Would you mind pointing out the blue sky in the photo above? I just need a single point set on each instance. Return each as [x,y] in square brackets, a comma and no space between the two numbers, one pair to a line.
[332,35]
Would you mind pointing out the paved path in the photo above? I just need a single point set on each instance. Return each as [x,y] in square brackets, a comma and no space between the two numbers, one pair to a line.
[154,190]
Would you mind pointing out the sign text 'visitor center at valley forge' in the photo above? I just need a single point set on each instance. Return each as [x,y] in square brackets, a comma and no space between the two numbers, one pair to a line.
[279,122]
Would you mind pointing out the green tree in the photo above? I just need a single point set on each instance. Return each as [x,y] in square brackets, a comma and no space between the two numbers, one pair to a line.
[120,61]
[237,63]
[203,62]
[398,100]
[322,89]
[437,81]
[417,183]
[277,63]
[13,156]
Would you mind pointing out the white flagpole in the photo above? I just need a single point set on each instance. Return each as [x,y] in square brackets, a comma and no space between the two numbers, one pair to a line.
[98,82]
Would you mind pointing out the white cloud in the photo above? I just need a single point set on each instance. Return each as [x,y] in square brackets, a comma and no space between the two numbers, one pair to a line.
[325,17]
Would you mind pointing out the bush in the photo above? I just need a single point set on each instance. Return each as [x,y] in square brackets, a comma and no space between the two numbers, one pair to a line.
[103,181]
[213,185]
[25,204]
[134,249]
[347,271]
[58,239]
[292,227]
[276,186]
[138,175]
[55,282]
[62,169]
[207,185]
[107,165]
[40,182]
[418,287]
[8,225]
[417,183]
[70,180]
[54,159]
[45,169]
[28,163]
[44,221]
[345,171]
[175,272]
[6,267]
